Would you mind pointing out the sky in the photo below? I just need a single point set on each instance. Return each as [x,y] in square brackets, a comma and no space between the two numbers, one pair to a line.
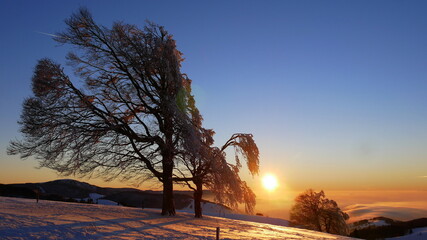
[334,92]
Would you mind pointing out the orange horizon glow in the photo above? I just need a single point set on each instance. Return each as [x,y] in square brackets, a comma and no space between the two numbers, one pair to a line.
[278,202]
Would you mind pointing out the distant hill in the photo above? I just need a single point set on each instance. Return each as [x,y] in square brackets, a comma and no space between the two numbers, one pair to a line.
[147,199]
[382,227]
[72,190]
[16,191]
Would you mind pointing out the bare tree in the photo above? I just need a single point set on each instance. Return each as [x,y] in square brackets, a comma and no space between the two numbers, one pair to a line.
[314,211]
[129,118]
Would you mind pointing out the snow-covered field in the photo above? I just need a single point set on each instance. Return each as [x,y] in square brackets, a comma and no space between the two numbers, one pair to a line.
[215,210]
[417,234]
[26,219]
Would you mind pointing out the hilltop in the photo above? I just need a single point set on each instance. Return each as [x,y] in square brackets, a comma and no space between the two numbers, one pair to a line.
[26,219]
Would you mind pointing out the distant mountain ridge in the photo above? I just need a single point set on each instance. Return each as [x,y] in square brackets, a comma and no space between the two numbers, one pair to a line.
[68,189]
[382,227]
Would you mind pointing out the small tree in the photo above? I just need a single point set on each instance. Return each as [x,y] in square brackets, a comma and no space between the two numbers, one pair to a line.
[211,170]
[314,211]
[204,165]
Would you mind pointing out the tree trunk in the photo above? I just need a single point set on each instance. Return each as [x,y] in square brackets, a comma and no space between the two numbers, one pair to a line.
[198,200]
[319,227]
[168,205]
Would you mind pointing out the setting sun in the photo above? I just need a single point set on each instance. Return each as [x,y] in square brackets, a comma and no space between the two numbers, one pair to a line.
[270,182]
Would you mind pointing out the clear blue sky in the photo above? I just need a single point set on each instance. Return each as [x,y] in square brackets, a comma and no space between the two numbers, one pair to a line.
[335,92]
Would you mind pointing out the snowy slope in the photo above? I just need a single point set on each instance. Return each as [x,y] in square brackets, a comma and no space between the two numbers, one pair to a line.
[417,234]
[26,219]
[215,210]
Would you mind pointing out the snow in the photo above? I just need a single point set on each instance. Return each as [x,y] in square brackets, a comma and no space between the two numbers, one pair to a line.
[106,202]
[379,223]
[215,210]
[41,189]
[417,234]
[372,223]
[97,198]
[26,219]
[208,209]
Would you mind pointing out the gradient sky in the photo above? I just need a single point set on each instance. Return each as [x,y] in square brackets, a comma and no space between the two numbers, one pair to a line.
[335,92]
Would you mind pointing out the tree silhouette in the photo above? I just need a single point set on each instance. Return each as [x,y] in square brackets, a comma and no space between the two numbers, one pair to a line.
[314,211]
[223,178]
[204,165]
[209,168]
[129,119]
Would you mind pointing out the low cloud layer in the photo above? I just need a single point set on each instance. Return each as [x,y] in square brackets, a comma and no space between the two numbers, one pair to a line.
[396,210]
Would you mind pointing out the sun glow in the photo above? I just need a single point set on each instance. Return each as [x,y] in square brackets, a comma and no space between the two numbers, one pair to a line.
[269,182]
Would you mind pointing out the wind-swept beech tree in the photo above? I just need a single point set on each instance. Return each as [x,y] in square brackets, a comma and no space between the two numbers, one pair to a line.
[128,118]
[206,165]
[224,180]
[222,177]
